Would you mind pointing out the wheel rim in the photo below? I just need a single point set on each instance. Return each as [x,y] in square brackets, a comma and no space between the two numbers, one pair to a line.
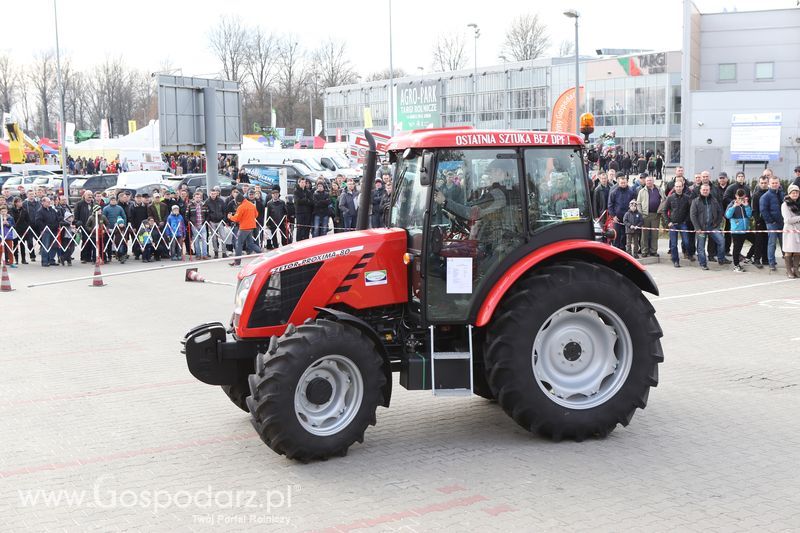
[582,355]
[336,383]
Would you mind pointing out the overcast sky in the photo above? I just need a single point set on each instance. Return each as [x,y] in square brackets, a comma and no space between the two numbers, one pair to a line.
[147,33]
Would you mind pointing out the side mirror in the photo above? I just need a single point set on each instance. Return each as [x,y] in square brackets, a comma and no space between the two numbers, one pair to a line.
[426,172]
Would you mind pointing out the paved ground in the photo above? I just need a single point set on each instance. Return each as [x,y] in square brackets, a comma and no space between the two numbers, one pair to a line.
[96,403]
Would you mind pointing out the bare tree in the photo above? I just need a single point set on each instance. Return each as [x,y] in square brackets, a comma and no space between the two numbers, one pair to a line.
[293,77]
[229,42]
[448,52]
[76,100]
[9,79]
[566,48]
[384,75]
[262,60]
[526,38]
[332,68]
[41,76]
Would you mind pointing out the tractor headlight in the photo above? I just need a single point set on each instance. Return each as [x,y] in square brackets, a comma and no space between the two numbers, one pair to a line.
[241,293]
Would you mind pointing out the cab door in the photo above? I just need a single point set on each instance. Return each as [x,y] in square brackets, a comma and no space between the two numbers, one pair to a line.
[476,221]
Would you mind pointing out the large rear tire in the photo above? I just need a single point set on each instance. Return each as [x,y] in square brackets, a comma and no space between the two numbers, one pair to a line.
[316,391]
[573,350]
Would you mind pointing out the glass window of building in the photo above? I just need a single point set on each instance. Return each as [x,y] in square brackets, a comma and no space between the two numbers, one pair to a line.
[727,72]
[765,70]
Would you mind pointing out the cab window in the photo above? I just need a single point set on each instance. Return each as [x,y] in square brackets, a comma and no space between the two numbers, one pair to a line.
[556,187]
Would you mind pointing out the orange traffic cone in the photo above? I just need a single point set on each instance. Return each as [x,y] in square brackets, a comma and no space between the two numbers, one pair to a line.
[97,280]
[5,285]
[193,275]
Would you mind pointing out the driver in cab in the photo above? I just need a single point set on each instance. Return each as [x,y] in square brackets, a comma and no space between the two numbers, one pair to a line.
[486,216]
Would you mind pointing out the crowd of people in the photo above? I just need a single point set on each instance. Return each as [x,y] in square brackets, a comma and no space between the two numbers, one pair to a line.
[706,220]
[173,224]
[174,163]
[627,164]
[712,219]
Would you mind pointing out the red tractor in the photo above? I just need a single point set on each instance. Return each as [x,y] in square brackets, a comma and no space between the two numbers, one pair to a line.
[489,279]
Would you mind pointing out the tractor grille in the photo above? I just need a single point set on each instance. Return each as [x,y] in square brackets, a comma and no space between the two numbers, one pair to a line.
[279,296]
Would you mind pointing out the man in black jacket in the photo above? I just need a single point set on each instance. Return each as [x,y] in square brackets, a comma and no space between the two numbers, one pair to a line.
[47,226]
[718,192]
[216,226]
[676,217]
[83,210]
[348,204]
[601,197]
[706,215]
[377,198]
[137,214]
[277,219]
[231,206]
[303,206]
[759,252]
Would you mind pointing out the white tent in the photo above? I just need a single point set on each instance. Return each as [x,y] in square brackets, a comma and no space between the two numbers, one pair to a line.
[145,139]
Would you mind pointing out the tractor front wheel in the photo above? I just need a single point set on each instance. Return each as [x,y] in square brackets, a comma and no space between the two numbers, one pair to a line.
[316,391]
[573,350]
[238,394]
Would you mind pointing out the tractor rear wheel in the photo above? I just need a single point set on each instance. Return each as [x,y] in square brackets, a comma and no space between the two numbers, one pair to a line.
[316,391]
[573,350]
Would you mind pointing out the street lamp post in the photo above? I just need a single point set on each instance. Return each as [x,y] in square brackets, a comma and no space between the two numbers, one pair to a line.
[62,128]
[475,74]
[391,76]
[573,14]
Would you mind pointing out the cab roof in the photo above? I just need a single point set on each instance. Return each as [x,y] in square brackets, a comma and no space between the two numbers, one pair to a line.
[467,136]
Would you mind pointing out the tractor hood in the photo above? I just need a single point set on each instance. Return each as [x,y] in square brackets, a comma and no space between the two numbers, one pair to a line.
[356,269]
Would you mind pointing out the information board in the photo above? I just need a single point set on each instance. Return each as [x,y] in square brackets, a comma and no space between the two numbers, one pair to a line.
[756,136]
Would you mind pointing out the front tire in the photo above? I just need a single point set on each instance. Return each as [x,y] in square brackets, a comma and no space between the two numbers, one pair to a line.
[238,394]
[573,351]
[316,391]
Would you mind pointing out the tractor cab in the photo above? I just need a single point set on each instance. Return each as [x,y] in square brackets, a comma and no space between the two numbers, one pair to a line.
[473,203]
[487,280]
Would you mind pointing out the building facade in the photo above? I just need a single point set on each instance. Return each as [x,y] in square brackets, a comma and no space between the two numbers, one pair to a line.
[741,91]
[637,97]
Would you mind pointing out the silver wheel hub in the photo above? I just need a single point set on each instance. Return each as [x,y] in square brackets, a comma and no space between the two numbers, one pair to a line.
[328,395]
[582,355]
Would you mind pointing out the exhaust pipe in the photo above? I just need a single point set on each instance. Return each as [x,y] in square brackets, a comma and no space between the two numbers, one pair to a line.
[367,183]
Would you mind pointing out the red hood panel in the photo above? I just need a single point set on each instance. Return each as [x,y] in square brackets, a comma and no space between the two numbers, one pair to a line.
[360,269]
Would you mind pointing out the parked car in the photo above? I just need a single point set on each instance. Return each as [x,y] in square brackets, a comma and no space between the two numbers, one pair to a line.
[18,185]
[39,172]
[267,174]
[142,189]
[195,181]
[49,182]
[5,176]
[95,183]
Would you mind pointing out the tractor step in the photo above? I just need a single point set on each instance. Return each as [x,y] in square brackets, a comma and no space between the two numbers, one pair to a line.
[451,372]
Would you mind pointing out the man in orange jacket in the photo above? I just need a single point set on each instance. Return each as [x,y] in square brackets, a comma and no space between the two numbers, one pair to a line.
[246,215]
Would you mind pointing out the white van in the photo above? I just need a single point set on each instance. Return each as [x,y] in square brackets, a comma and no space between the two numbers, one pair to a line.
[138,178]
[338,163]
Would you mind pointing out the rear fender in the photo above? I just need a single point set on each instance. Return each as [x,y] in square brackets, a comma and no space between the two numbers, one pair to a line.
[591,251]
[346,318]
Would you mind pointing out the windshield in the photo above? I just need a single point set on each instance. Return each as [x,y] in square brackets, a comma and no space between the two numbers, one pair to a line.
[410,197]
[302,168]
[311,163]
[340,160]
